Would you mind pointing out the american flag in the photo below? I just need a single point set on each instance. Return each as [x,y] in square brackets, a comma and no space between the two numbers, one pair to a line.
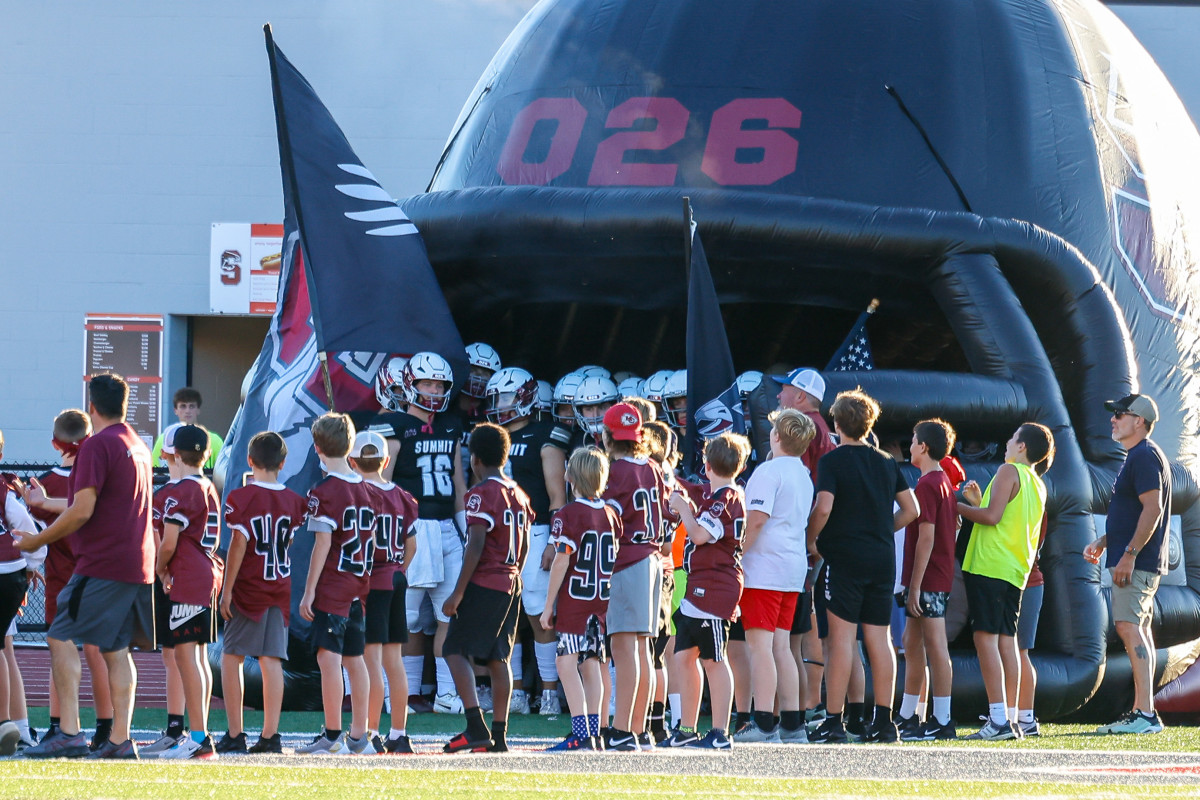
[855,353]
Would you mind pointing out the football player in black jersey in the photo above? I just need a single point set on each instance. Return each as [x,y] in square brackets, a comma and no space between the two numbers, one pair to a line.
[424,458]
[537,461]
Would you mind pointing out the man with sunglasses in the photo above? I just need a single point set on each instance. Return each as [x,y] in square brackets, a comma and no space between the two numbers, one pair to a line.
[1136,539]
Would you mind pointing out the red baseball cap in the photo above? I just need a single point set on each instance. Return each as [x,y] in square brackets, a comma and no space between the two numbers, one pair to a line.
[624,423]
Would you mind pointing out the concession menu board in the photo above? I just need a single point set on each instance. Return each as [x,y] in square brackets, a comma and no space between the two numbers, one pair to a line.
[131,345]
[244,264]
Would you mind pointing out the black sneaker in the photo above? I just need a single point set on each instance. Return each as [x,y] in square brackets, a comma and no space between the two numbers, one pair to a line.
[644,741]
[98,741]
[856,730]
[107,749]
[60,746]
[497,747]
[679,739]
[463,743]
[934,731]
[377,743]
[401,745]
[882,732]
[831,731]
[620,741]
[232,744]
[910,728]
[267,745]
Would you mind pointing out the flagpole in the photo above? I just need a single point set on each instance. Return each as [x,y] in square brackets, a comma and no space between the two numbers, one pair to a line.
[322,357]
[687,238]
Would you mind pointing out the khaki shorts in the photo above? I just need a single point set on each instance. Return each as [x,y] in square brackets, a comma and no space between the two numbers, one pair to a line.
[1135,603]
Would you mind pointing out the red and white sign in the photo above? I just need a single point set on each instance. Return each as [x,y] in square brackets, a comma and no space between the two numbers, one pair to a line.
[244,267]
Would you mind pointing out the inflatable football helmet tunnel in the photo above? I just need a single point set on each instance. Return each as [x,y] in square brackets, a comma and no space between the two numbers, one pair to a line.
[1014,180]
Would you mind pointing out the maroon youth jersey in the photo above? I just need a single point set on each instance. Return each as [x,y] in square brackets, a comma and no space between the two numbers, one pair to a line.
[345,504]
[637,490]
[715,569]
[503,509]
[267,515]
[60,555]
[587,530]
[196,569]
[935,496]
[395,512]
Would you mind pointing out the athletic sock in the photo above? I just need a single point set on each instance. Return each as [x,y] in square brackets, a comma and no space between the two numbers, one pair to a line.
[517,662]
[546,653]
[741,718]
[675,701]
[791,720]
[941,710]
[656,718]
[579,726]
[908,706]
[23,726]
[445,679]
[174,725]
[765,720]
[996,713]
[499,729]
[53,729]
[854,712]
[883,714]
[413,667]
[476,727]
[922,709]
[593,724]
[331,735]
[1025,715]
[199,736]
[103,728]
[1012,714]
[396,733]
[838,717]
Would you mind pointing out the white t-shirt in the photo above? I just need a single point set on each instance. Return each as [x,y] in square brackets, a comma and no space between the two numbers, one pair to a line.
[782,488]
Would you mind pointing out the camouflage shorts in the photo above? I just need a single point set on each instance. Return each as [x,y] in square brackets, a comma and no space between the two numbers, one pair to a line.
[933,604]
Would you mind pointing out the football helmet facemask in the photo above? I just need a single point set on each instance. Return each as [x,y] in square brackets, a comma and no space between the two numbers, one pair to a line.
[427,367]
[511,394]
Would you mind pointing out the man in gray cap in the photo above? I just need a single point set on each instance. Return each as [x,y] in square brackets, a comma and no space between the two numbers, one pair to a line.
[1136,539]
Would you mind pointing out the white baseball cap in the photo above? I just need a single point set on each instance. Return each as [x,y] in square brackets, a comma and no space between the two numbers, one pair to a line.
[365,439]
[804,379]
[168,442]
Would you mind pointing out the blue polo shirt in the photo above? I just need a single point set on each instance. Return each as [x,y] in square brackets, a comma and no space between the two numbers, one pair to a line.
[1145,469]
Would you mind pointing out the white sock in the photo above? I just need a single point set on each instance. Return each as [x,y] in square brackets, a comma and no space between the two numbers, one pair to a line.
[396,733]
[413,667]
[1025,715]
[22,727]
[546,652]
[922,707]
[1012,714]
[908,706]
[941,710]
[996,713]
[676,704]
[517,662]
[445,680]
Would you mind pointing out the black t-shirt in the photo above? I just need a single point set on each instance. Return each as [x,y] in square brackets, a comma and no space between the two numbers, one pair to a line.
[424,467]
[525,462]
[864,482]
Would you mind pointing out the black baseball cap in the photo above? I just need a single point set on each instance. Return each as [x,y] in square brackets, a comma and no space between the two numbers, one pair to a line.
[1138,404]
[191,438]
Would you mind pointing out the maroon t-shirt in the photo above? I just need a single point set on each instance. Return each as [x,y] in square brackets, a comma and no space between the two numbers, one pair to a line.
[267,515]
[821,444]
[637,490]
[935,495]
[196,569]
[117,542]
[503,510]
[714,570]
[345,504]
[587,530]
[395,512]
[60,555]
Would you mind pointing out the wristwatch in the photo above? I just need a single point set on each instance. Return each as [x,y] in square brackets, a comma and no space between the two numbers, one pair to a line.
[1133,551]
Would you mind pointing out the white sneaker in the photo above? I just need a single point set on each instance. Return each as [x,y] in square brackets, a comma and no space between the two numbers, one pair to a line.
[160,745]
[519,703]
[184,748]
[448,703]
[320,746]
[550,706]
[10,735]
[486,703]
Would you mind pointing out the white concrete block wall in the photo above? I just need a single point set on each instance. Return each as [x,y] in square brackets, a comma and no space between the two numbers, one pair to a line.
[127,128]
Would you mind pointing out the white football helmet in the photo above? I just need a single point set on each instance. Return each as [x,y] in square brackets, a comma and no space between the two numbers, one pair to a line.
[427,367]
[564,395]
[594,392]
[592,371]
[389,383]
[748,381]
[654,385]
[544,406]
[674,398]
[485,357]
[511,394]
[630,387]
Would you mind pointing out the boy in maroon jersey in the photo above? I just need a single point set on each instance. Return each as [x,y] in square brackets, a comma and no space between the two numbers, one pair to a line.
[386,623]
[637,490]
[927,575]
[584,535]
[341,516]
[190,570]
[257,596]
[485,603]
[712,558]
[46,497]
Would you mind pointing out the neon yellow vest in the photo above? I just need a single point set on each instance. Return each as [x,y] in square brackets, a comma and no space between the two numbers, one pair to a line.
[1006,550]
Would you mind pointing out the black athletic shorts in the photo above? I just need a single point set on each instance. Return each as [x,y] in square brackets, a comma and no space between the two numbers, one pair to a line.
[993,604]
[485,626]
[187,623]
[13,586]
[337,634]
[386,615]
[710,636]
[857,598]
[802,620]
[162,615]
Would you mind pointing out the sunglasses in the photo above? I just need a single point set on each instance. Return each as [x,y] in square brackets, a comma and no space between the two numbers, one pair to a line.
[1123,414]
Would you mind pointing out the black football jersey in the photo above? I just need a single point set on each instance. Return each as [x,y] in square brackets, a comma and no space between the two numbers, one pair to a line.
[424,467]
[525,462]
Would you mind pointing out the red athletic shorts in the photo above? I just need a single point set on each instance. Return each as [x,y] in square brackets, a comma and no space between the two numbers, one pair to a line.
[767,609]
